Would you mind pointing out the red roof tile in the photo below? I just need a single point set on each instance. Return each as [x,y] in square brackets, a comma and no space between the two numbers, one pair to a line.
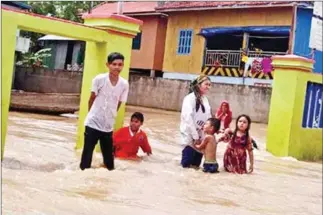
[128,8]
[218,4]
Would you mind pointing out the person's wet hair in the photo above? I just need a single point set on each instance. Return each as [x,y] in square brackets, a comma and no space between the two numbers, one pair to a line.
[115,56]
[139,116]
[247,130]
[195,87]
[215,123]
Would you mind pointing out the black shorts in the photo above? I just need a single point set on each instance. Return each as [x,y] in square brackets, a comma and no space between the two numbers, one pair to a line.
[210,167]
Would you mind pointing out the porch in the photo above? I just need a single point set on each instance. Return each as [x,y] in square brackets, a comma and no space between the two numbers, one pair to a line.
[243,52]
[233,58]
[236,63]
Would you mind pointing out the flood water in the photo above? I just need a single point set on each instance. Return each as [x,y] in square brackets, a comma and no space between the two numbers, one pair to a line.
[40,175]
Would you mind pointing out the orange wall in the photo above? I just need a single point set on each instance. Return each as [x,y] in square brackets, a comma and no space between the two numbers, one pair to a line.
[196,20]
[151,53]
[160,44]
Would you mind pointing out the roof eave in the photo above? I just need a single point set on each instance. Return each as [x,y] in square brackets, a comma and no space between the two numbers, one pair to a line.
[219,8]
[152,13]
[21,5]
[146,14]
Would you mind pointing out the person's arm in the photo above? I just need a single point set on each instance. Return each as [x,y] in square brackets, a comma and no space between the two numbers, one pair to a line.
[250,153]
[218,116]
[124,96]
[227,135]
[228,132]
[221,137]
[145,146]
[203,144]
[187,116]
[94,92]
[228,119]
[91,100]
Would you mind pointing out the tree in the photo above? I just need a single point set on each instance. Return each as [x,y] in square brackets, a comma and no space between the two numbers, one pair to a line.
[69,10]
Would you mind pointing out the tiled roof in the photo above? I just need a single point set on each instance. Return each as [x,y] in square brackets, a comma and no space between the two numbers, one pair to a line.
[218,4]
[128,8]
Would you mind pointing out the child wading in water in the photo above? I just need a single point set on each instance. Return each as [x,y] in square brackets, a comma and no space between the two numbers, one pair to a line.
[209,145]
[235,156]
[129,139]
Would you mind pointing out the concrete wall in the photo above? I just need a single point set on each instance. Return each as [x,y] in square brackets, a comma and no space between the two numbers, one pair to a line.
[42,80]
[53,103]
[160,93]
[168,94]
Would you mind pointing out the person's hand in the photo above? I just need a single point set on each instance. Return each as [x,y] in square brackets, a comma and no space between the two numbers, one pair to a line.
[227,134]
[221,137]
[250,168]
[227,131]
[196,142]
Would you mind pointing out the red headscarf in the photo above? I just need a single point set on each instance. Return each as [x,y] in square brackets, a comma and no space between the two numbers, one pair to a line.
[228,118]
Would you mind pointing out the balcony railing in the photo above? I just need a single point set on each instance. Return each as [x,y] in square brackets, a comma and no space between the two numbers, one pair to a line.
[232,58]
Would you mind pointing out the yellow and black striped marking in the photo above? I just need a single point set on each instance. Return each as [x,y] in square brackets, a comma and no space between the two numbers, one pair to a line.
[233,72]
[222,71]
[262,75]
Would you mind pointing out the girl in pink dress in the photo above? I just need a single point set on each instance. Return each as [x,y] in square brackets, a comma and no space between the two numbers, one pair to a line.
[235,156]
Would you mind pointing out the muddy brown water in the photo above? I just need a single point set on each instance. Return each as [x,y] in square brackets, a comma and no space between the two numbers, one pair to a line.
[40,175]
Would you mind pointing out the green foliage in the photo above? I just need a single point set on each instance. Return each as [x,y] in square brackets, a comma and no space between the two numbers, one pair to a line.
[69,10]
[35,59]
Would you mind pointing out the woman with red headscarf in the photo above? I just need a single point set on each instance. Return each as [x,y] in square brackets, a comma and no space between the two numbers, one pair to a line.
[224,114]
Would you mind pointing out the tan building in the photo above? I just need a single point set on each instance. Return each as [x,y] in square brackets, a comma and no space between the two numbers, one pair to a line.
[149,45]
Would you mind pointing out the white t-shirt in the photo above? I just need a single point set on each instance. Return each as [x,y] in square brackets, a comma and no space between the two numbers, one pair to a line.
[104,108]
[192,122]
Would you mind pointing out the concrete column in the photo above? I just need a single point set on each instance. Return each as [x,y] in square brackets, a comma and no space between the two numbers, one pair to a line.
[120,32]
[286,136]
[8,41]
[152,73]
[92,67]
[245,41]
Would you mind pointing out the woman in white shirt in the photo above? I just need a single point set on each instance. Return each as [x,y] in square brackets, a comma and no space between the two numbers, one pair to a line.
[196,110]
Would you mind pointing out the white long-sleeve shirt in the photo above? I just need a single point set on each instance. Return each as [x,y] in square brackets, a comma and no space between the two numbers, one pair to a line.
[192,122]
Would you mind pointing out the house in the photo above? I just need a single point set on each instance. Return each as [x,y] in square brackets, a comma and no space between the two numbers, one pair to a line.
[66,53]
[22,43]
[148,46]
[302,37]
[230,40]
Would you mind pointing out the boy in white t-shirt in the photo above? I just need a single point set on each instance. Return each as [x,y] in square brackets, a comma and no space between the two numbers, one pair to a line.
[108,91]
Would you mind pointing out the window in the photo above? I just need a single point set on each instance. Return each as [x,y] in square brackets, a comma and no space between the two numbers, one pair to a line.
[136,42]
[312,115]
[185,42]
